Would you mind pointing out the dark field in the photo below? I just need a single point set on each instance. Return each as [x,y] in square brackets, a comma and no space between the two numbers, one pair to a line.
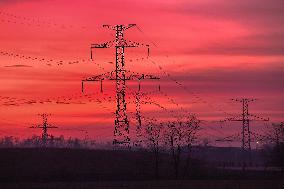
[79,168]
[208,184]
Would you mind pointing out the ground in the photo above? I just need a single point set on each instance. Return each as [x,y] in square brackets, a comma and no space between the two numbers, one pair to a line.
[36,168]
[197,184]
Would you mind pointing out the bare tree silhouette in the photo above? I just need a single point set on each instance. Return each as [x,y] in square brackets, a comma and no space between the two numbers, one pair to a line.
[180,134]
[153,139]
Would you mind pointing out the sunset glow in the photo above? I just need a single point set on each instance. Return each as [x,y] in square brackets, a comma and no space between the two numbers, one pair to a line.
[205,52]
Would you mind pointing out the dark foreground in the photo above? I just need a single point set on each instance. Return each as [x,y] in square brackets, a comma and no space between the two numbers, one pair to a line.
[221,184]
[84,169]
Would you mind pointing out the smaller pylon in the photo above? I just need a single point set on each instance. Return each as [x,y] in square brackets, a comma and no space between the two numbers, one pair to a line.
[245,117]
[44,126]
[278,133]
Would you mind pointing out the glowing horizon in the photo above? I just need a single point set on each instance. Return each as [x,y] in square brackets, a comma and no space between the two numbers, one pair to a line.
[206,52]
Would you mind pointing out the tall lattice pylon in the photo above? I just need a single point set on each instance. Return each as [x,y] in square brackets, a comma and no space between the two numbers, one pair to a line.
[121,128]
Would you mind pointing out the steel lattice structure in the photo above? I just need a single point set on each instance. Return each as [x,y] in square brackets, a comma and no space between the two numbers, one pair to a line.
[245,118]
[120,75]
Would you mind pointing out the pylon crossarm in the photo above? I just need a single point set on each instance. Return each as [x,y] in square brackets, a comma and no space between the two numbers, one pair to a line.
[236,118]
[94,78]
[36,126]
[258,118]
[124,27]
[129,76]
[101,46]
[135,44]
[107,44]
[244,99]
[52,127]
[40,127]
[129,26]
[141,76]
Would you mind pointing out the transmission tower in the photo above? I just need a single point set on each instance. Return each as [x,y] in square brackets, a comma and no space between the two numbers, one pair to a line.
[44,126]
[246,133]
[278,133]
[245,118]
[120,75]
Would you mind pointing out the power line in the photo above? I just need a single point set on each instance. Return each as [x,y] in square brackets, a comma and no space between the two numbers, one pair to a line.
[47,61]
[195,95]
[12,18]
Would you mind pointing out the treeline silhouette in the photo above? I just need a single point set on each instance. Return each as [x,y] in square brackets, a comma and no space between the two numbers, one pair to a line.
[52,142]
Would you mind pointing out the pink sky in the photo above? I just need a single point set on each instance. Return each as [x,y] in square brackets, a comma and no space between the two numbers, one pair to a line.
[217,50]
